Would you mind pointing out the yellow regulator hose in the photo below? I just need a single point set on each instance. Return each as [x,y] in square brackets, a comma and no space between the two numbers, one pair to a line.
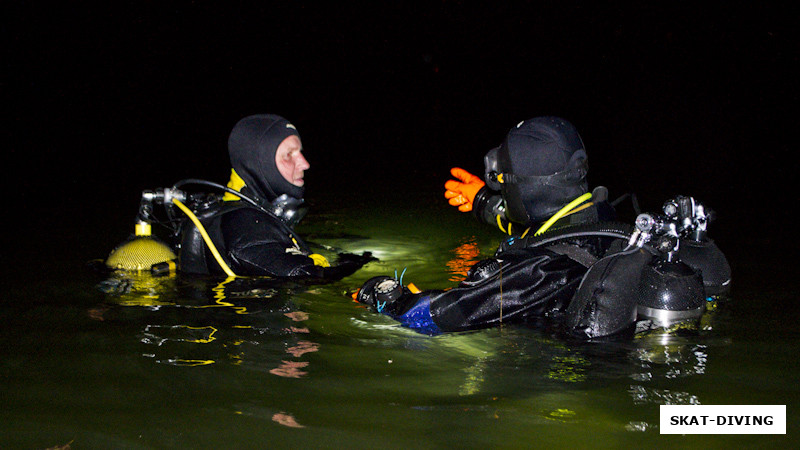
[205,235]
[562,212]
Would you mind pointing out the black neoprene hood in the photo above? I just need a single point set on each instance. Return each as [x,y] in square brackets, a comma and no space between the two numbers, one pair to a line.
[252,145]
[544,165]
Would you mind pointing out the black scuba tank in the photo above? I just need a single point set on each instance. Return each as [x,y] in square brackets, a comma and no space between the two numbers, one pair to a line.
[670,291]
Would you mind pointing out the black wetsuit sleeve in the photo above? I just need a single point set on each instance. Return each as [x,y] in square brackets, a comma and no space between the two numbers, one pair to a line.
[532,286]
[259,245]
[347,264]
[526,286]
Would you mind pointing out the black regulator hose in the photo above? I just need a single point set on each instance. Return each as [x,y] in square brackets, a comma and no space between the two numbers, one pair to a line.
[616,230]
[244,197]
[222,188]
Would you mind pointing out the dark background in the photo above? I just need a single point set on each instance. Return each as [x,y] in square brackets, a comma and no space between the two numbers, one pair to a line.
[105,100]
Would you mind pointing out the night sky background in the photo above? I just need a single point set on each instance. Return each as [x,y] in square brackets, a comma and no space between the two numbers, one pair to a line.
[105,100]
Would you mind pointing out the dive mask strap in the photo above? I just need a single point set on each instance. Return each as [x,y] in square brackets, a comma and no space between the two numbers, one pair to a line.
[566,178]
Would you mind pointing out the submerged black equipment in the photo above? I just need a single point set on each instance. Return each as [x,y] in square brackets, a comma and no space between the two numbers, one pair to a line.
[540,167]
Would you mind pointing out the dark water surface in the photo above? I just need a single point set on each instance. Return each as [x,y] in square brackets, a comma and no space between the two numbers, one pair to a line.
[138,362]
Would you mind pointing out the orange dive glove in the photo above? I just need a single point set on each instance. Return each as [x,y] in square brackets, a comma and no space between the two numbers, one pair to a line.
[462,193]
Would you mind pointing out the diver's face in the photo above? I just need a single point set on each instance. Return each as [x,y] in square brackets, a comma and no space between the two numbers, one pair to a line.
[290,160]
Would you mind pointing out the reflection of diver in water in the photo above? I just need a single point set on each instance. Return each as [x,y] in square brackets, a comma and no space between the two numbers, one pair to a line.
[192,321]
[248,230]
[576,270]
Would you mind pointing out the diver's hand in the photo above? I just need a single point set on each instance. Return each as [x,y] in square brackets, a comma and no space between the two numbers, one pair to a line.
[346,264]
[462,193]
[356,260]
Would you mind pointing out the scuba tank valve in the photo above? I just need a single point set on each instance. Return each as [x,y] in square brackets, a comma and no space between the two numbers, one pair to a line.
[143,251]
[670,290]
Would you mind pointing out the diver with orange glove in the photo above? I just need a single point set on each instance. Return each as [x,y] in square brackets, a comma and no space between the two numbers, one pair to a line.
[565,265]
[539,168]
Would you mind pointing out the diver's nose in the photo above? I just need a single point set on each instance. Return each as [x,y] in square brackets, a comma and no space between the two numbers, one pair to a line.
[302,163]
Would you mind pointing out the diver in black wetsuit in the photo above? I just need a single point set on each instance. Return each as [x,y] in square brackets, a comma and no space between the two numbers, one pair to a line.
[569,267]
[248,231]
[268,167]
